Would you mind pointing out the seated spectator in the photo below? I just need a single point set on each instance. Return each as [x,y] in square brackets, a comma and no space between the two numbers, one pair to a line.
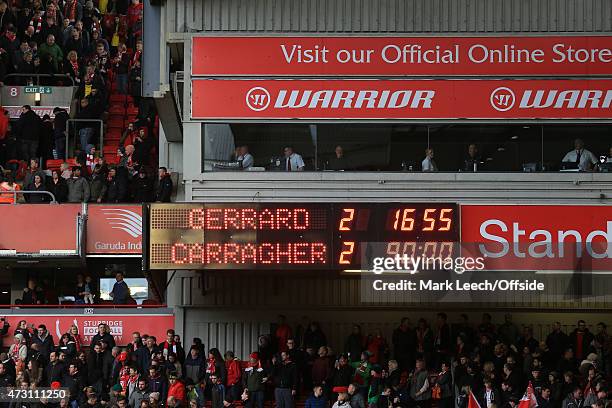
[473,160]
[84,290]
[78,187]
[58,187]
[584,159]
[339,161]
[428,163]
[245,159]
[32,294]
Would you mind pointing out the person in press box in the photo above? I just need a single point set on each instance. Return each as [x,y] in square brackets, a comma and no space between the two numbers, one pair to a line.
[584,159]
[245,159]
[292,160]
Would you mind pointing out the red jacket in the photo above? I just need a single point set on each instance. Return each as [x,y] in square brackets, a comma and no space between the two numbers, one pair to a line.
[134,10]
[177,390]
[233,371]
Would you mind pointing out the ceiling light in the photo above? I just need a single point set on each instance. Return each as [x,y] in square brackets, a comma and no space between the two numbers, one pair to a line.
[501,149]
[514,137]
[489,159]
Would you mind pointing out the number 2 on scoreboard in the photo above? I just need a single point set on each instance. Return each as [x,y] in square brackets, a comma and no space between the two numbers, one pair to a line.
[346,222]
[346,255]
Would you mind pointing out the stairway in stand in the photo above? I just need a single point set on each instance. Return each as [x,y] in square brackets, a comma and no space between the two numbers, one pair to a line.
[120,112]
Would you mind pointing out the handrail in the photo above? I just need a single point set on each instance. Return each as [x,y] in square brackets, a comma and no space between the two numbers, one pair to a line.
[101,150]
[15,192]
[53,76]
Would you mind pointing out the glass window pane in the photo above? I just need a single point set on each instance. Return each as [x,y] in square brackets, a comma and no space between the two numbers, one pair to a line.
[139,288]
[559,141]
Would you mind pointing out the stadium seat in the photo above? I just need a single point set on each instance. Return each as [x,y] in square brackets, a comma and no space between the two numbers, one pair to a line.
[115,122]
[53,164]
[117,109]
[150,302]
[117,98]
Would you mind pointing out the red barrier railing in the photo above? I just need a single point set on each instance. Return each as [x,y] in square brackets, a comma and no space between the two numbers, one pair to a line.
[85,306]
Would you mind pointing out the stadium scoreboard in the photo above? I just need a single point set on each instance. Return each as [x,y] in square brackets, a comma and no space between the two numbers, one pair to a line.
[271,236]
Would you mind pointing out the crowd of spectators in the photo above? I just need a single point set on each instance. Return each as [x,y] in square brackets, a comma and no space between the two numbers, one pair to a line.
[105,184]
[96,44]
[420,366]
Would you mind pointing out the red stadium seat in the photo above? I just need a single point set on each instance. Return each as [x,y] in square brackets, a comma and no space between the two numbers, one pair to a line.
[114,160]
[117,109]
[115,122]
[53,164]
[150,302]
[118,98]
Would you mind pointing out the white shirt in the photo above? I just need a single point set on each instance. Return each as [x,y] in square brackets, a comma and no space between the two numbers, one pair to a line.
[429,165]
[297,163]
[247,160]
[489,397]
[586,158]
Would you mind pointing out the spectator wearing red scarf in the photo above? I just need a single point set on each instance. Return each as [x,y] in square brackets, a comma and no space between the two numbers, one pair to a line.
[254,379]
[172,346]
[73,11]
[215,365]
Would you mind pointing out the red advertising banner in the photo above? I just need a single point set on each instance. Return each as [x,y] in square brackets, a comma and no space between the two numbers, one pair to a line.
[39,229]
[15,111]
[538,237]
[401,56]
[401,99]
[122,325]
[114,229]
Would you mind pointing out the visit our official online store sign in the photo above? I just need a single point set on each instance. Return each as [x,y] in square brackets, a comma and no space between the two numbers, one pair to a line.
[401,56]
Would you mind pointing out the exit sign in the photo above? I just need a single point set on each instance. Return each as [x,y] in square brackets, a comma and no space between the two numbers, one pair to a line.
[38,89]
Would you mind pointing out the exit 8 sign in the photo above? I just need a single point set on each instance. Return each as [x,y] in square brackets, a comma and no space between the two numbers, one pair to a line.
[38,89]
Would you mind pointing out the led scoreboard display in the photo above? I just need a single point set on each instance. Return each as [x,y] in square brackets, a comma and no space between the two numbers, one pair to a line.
[294,236]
